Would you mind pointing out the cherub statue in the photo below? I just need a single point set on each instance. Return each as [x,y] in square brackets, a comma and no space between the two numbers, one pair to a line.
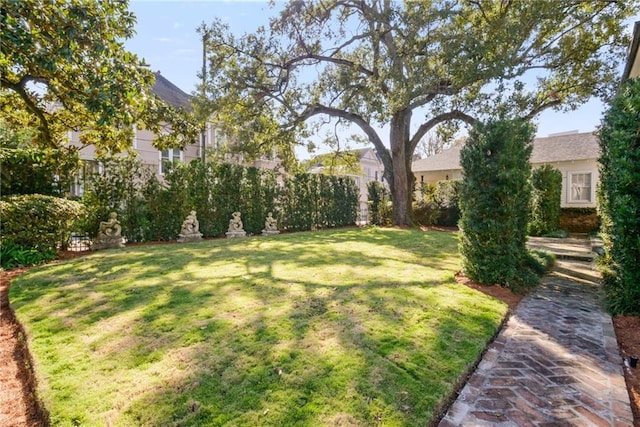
[190,225]
[271,224]
[110,228]
[235,223]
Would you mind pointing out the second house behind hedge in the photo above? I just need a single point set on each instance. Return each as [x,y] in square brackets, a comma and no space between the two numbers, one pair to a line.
[574,154]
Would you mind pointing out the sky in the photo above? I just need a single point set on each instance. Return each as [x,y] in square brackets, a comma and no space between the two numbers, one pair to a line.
[166,38]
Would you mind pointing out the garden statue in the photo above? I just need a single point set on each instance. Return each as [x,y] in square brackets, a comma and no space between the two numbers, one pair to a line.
[109,234]
[190,229]
[270,226]
[235,226]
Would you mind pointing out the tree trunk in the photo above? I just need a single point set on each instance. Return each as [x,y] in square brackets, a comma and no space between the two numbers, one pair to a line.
[402,184]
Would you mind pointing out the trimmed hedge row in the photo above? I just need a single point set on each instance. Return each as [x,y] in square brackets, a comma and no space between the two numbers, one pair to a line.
[149,209]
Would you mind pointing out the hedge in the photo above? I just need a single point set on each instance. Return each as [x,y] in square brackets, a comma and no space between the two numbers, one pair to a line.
[620,199]
[39,222]
[494,203]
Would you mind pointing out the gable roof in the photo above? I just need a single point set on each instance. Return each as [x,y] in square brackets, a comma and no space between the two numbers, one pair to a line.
[551,149]
[446,160]
[565,147]
[171,93]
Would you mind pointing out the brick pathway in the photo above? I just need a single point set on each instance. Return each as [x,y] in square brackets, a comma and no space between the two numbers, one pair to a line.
[555,363]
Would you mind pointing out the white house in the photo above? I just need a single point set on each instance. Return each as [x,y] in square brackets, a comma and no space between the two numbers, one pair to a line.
[574,154]
[156,159]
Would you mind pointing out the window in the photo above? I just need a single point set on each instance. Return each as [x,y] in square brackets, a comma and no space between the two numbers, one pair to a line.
[580,187]
[167,157]
[88,168]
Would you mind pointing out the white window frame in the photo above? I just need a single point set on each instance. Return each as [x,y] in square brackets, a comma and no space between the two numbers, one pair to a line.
[171,157]
[570,187]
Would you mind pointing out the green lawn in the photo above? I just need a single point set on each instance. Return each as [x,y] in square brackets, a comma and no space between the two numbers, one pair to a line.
[348,327]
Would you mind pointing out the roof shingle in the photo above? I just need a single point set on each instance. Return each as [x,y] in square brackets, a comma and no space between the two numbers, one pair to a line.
[551,149]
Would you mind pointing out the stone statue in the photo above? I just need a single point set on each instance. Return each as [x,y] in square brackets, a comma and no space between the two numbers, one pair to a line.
[235,226]
[111,227]
[190,229]
[109,234]
[270,226]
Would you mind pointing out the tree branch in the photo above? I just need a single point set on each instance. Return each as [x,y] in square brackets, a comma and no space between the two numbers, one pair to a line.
[541,107]
[430,124]
[19,88]
[359,121]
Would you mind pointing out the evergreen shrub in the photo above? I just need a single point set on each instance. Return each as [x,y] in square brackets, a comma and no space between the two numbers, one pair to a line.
[379,201]
[494,203]
[620,199]
[40,222]
[546,183]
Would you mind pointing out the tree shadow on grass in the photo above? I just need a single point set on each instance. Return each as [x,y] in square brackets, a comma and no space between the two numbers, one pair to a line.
[237,332]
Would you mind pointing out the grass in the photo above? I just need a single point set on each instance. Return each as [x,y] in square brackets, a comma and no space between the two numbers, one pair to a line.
[348,327]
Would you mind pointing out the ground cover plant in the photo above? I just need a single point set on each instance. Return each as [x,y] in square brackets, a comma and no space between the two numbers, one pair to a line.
[343,327]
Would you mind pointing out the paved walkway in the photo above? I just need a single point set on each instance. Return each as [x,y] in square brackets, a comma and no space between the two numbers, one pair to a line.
[556,362]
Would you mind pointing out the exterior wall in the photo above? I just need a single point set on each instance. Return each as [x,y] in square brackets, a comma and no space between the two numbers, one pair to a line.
[142,145]
[432,177]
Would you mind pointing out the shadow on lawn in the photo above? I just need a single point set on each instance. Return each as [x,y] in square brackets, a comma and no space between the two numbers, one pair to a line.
[265,343]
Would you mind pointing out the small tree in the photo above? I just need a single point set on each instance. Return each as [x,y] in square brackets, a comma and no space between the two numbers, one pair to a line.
[620,199]
[494,202]
[546,183]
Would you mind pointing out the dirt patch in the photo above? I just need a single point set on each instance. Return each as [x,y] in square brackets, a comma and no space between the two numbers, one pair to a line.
[628,335]
[18,404]
[20,408]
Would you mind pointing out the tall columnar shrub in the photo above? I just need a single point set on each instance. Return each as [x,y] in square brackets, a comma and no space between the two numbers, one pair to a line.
[379,200]
[494,202]
[546,183]
[620,198]
[312,201]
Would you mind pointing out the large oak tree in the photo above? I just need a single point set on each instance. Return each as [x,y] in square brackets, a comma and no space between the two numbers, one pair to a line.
[63,66]
[408,67]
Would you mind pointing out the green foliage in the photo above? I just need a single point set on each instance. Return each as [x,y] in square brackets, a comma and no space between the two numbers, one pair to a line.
[39,222]
[546,194]
[426,212]
[28,168]
[479,53]
[74,52]
[494,202]
[153,209]
[312,201]
[447,196]
[13,255]
[117,190]
[620,199]
[379,201]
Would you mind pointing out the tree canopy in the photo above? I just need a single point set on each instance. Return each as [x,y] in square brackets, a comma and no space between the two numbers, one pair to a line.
[63,66]
[404,68]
